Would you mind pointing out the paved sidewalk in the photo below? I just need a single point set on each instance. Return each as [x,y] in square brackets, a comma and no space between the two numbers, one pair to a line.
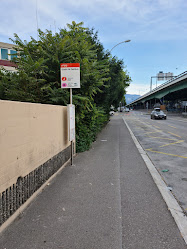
[106,200]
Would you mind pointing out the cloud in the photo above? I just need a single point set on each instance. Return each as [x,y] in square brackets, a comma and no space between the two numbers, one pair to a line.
[138,88]
[115,20]
[22,16]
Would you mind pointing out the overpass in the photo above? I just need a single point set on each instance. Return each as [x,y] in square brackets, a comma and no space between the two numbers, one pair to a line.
[171,95]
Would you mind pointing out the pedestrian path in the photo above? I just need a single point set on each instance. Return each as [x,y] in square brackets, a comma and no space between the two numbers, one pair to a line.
[106,200]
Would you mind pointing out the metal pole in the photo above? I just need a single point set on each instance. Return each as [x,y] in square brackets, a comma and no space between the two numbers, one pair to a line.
[71,141]
[151,85]
[118,44]
[71,96]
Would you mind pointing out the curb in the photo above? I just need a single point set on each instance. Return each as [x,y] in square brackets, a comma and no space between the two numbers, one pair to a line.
[173,206]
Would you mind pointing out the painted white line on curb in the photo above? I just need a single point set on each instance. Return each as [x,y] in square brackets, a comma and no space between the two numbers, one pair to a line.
[173,206]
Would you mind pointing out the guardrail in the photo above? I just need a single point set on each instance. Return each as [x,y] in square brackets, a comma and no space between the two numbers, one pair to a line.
[169,81]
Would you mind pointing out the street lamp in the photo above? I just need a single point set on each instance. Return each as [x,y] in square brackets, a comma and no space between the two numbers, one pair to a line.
[110,52]
[120,43]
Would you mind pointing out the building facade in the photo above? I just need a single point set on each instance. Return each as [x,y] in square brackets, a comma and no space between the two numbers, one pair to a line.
[7,53]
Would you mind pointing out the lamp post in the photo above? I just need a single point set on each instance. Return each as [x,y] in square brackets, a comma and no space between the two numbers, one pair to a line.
[110,52]
[119,43]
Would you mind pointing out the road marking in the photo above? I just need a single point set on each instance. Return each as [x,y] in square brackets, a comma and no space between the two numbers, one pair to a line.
[180,141]
[147,123]
[156,126]
[172,126]
[152,132]
[168,154]
[172,139]
[174,134]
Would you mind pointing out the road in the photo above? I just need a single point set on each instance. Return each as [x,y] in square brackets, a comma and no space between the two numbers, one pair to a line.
[165,142]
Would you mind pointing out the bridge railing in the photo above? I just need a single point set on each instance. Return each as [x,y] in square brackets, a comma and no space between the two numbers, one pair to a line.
[169,81]
[160,86]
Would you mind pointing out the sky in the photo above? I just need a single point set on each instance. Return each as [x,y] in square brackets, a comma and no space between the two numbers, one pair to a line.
[157,30]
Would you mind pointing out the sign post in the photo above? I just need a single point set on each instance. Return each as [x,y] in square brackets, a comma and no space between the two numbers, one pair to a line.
[70,78]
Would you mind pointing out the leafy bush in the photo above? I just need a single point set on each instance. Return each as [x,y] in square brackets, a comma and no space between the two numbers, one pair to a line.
[103,80]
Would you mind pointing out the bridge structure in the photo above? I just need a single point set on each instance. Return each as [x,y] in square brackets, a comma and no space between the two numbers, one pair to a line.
[171,95]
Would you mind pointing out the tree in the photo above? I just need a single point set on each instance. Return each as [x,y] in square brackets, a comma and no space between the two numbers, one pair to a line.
[38,78]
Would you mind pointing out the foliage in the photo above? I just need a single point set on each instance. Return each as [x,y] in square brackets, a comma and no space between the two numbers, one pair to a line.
[103,80]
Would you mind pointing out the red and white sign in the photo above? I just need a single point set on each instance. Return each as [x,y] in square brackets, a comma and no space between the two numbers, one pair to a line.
[70,75]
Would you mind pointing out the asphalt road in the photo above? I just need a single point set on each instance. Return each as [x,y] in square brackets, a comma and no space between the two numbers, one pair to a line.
[165,141]
[106,200]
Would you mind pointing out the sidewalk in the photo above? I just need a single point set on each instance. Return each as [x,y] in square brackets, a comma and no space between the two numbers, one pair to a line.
[106,200]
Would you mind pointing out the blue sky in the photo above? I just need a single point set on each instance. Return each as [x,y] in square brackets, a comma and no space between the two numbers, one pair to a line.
[157,30]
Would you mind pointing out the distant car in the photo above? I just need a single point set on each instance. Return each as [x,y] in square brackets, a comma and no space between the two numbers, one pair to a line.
[158,114]
[111,113]
[126,109]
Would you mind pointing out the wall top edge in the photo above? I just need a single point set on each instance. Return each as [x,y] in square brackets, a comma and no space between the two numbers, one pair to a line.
[28,103]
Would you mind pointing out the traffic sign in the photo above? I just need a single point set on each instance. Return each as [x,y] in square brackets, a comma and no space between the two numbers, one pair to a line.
[70,75]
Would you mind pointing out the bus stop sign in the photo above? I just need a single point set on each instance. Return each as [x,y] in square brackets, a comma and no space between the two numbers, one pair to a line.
[70,75]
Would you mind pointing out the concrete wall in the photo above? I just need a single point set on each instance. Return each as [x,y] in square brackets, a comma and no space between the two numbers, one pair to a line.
[30,134]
